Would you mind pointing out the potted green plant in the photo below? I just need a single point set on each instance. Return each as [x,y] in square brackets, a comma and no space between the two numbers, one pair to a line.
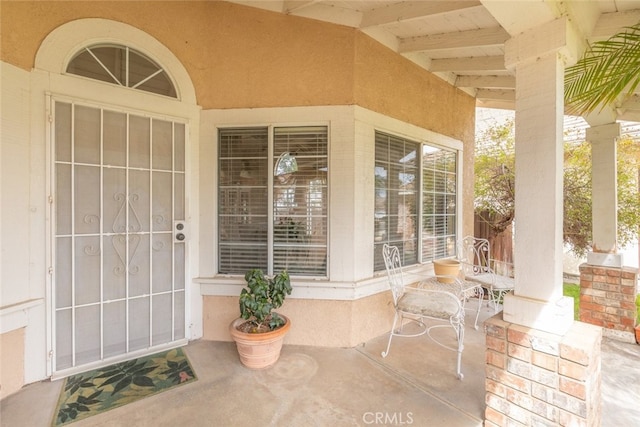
[259,331]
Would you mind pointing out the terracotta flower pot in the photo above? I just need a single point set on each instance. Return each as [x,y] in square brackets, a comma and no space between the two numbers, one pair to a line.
[446,267]
[638,334]
[259,350]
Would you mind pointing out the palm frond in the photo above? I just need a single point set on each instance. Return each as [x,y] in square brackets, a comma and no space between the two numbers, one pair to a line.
[608,69]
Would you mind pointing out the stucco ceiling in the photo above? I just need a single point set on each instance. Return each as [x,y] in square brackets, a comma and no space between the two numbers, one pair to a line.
[462,41]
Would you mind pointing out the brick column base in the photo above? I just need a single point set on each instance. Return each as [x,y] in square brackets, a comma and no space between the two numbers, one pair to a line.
[535,378]
[608,299]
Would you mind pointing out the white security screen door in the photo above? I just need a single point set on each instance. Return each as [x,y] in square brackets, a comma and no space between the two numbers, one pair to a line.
[119,271]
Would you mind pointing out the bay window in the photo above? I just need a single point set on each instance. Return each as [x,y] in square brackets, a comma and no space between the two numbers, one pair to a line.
[415,200]
[270,217]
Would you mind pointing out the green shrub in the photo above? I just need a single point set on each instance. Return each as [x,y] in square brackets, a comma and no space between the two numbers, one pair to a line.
[261,296]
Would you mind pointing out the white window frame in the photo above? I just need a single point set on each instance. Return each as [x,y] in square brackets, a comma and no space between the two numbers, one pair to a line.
[421,256]
[270,209]
[351,225]
[128,71]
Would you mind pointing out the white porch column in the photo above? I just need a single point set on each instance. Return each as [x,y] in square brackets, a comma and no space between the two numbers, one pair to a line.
[604,179]
[537,301]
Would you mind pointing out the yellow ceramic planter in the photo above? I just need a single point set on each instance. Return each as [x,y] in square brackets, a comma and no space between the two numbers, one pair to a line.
[446,267]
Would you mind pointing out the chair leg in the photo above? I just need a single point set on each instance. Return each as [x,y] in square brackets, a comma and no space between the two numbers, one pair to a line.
[494,297]
[480,293]
[460,336]
[393,328]
[497,296]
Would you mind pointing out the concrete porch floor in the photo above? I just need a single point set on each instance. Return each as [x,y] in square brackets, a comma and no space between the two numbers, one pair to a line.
[309,386]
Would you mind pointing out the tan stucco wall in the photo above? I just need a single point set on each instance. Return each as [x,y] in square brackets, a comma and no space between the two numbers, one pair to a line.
[236,56]
[239,57]
[11,362]
[314,322]
[402,90]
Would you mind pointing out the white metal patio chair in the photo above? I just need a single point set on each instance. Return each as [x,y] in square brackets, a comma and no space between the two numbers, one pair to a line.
[477,266]
[429,299]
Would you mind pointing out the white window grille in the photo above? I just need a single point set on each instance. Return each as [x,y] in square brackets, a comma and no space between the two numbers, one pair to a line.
[122,66]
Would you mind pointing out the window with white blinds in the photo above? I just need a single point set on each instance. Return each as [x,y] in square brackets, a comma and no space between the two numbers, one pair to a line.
[404,209]
[272,222]
[396,201]
[439,196]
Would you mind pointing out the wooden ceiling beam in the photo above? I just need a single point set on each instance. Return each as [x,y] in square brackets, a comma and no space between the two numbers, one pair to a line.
[612,23]
[496,95]
[478,63]
[405,11]
[493,82]
[495,36]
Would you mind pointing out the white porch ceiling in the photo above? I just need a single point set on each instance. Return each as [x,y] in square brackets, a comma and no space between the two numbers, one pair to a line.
[462,41]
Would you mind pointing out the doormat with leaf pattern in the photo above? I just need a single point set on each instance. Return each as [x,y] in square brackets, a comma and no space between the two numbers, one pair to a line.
[100,390]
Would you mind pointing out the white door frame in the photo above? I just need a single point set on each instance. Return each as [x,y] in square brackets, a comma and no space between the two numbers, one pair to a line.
[50,81]
[57,372]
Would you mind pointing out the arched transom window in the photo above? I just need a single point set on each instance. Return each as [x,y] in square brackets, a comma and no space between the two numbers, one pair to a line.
[122,66]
